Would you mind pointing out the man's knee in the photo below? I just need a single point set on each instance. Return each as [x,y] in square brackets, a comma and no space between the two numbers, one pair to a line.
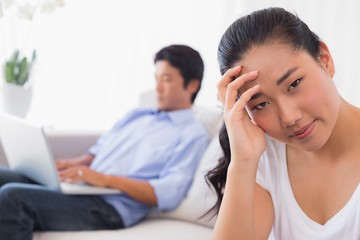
[12,193]
[15,212]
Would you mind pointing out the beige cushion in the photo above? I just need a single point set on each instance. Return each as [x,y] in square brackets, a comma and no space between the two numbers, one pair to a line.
[154,229]
[210,117]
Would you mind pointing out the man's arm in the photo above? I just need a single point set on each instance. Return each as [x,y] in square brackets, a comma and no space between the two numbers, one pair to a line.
[139,190]
[166,191]
[177,175]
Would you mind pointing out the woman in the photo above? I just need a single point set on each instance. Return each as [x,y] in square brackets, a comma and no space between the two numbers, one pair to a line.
[291,165]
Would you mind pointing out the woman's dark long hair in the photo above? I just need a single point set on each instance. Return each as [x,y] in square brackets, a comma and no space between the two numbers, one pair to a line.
[259,28]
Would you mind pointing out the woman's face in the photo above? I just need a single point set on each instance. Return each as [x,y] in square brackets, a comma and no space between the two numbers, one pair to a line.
[298,103]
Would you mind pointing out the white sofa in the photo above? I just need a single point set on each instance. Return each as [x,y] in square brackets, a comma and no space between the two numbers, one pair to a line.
[184,223]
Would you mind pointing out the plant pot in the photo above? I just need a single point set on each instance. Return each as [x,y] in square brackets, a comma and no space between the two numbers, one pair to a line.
[16,99]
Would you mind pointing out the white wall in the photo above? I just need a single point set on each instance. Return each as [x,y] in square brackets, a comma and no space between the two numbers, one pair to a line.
[96,56]
[336,23]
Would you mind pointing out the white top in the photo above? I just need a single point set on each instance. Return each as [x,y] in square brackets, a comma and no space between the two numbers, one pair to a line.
[290,221]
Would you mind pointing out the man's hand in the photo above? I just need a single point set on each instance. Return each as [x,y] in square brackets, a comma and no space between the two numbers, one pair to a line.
[73,169]
[62,164]
[77,169]
[83,173]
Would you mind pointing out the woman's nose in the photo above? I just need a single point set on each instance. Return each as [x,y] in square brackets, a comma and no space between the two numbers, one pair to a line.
[289,114]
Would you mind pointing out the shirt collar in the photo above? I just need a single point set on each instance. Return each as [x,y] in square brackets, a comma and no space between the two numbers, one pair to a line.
[179,116]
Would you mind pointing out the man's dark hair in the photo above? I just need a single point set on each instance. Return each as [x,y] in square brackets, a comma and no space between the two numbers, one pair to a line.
[187,60]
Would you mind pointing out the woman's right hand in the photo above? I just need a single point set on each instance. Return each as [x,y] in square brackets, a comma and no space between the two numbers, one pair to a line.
[247,140]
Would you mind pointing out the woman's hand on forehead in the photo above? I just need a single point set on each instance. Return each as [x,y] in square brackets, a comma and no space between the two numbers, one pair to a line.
[229,85]
[228,77]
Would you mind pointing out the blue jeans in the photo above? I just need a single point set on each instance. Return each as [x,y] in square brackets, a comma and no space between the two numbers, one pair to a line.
[26,207]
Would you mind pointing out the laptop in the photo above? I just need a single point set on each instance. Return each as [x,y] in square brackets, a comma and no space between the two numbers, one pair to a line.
[28,152]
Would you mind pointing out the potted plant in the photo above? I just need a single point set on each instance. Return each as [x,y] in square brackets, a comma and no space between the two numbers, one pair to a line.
[17,69]
[16,84]
[17,93]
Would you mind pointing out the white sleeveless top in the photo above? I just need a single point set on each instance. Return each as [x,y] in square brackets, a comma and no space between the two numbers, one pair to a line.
[291,223]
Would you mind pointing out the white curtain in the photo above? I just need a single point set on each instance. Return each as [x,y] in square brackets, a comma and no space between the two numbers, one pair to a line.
[96,57]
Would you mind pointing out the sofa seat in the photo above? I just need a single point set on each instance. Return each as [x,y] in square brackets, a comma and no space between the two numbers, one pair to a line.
[159,229]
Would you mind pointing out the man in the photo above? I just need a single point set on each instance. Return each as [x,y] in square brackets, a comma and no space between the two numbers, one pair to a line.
[151,156]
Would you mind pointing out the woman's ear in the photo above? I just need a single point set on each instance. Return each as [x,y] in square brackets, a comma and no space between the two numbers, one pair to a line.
[326,59]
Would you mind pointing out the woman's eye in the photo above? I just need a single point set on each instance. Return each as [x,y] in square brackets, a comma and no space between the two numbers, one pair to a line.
[295,84]
[260,106]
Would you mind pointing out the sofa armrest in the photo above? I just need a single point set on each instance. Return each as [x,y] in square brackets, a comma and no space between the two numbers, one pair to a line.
[67,144]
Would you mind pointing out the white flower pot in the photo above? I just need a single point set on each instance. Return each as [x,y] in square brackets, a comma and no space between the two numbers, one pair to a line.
[16,99]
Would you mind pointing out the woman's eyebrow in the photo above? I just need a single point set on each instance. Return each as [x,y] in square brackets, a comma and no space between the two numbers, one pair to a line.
[286,75]
[256,95]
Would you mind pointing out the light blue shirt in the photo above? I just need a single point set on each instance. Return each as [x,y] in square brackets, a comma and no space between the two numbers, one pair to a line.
[163,148]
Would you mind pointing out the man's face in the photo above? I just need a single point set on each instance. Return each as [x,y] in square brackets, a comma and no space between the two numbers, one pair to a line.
[171,93]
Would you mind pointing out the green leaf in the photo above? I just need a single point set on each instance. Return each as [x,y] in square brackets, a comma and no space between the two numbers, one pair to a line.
[23,72]
[9,72]
[17,70]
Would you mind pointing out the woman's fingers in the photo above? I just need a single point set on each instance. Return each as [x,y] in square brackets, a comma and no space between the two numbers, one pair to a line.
[245,98]
[239,106]
[228,77]
[232,90]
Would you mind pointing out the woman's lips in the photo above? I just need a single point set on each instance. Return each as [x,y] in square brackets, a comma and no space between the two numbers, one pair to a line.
[304,131]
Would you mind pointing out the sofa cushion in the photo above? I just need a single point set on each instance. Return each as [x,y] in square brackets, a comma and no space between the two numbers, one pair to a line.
[210,117]
[151,229]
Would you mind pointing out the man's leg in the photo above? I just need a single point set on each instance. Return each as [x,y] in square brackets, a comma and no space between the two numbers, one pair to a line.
[27,207]
[7,176]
